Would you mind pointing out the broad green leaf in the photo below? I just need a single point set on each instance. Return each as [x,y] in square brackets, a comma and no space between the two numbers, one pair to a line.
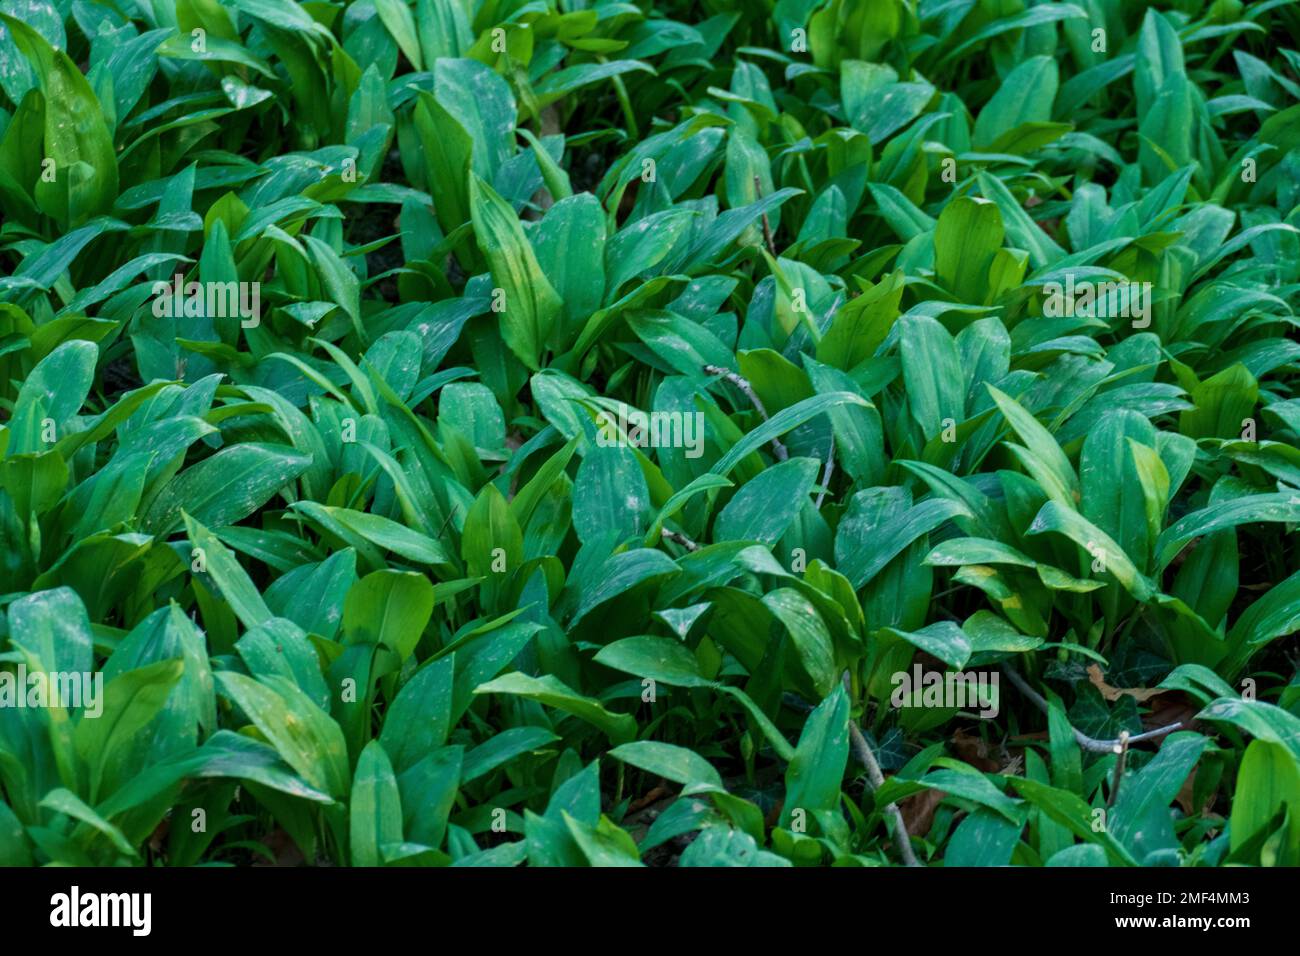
[529,306]
[552,692]
[375,808]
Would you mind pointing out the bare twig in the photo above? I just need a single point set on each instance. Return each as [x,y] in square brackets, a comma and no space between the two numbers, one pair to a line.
[678,538]
[777,448]
[1120,748]
[740,383]
[862,750]
[826,474]
[1089,743]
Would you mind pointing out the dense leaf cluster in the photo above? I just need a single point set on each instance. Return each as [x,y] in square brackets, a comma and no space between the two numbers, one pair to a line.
[580,432]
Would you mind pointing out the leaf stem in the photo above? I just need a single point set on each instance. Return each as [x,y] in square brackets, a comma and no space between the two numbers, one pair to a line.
[625,104]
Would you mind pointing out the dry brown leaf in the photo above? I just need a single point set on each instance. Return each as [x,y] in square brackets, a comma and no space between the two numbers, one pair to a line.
[1173,709]
[918,810]
[973,750]
[159,835]
[286,852]
[1140,694]
[1014,767]
[1184,798]
[656,794]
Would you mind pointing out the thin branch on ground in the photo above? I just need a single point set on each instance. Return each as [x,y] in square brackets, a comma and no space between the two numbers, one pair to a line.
[1120,748]
[743,384]
[862,750]
[678,538]
[1091,744]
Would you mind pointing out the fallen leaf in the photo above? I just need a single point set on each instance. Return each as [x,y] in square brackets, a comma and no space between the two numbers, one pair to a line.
[973,750]
[658,793]
[1140,694]
[1174,709]
[918,810]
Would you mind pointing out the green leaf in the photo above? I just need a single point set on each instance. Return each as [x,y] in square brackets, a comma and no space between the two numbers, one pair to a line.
[54,392]
[657,658]
[809,634]
[530,306]
[765,507]
[970,784]
[570,243]
[304,735]
[1071,812]
[813,778]
[552,692]
[77,138]
[503,748]
[932,369]
[1268,783]
[419,718]
[880,524]
[1040,454]
[65,801]
[397,19]
[375,809]
[968,235]
[668,761]
[390,608]
[227,487]
[943,639]
[1141,818]
[1099,545]
[1261,720]
[1280,507]
[236,587]
[780,423]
